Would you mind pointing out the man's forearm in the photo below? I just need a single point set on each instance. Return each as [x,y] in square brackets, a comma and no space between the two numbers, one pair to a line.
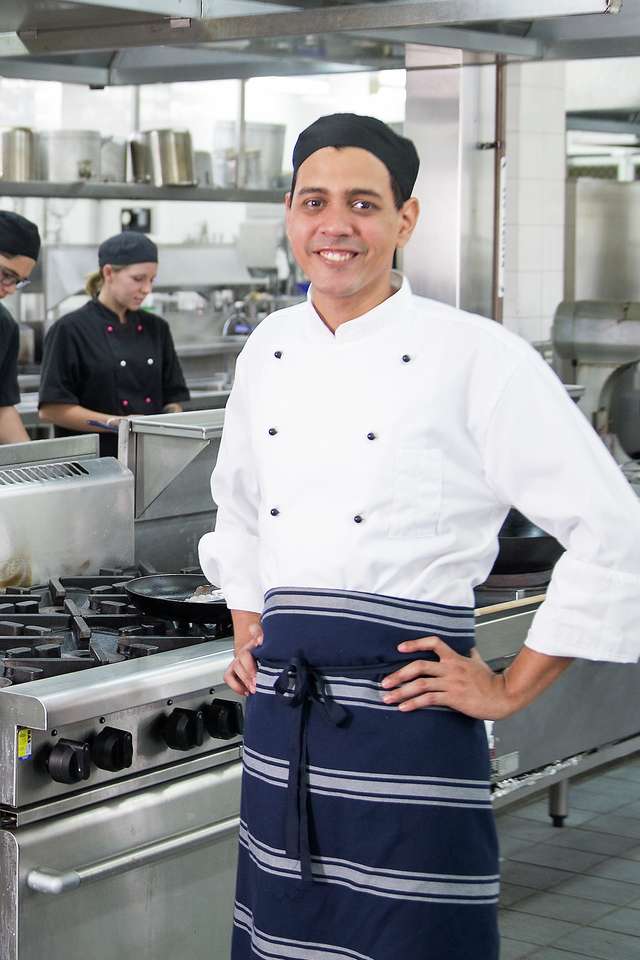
[242,621]
[529,675]
[72,416]
[11,427]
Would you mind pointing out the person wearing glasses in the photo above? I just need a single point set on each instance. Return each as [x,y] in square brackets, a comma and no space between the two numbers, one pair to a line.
[19,249]
[110,359]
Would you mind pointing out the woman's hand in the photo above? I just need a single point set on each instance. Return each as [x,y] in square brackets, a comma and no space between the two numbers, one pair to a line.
[241,672]
[465,684]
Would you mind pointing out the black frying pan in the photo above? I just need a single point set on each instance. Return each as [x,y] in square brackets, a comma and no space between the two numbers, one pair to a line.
[524,547]
[164,595]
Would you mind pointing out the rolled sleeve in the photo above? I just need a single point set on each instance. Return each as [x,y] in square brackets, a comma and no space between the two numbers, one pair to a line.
[229,556]
[542,456]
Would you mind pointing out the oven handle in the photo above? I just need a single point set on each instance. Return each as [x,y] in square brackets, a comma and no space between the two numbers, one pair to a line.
[47,880]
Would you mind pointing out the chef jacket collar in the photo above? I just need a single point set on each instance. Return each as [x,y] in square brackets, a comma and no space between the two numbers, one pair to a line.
[381,318]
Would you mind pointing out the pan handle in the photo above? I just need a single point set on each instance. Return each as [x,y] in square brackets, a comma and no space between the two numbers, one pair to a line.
[48,880]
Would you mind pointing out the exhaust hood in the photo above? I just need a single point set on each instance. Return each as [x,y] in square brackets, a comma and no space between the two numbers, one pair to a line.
[108,42]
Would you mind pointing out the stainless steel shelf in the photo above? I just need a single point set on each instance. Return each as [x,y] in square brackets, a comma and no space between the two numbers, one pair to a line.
[135,191]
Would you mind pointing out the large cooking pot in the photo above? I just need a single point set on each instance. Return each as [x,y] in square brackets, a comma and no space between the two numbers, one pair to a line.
[113,160]
[17,155]
[524,547]
[69,156]
[163,158]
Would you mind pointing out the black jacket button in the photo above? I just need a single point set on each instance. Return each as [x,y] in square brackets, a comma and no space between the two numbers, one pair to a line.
[272,431]
[406,358]
[357,518]
[274,511]
[278,354]
[371,436]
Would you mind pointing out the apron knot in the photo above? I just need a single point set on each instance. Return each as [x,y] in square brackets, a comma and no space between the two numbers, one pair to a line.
[299,686]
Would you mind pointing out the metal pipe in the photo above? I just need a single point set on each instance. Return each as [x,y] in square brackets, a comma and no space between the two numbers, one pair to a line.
[55,882]
[500,188]
[559,802]
[241,169]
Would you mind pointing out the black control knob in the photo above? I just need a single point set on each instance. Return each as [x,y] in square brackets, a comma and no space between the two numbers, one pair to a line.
[69,761]
[112,749]
[224,719]
[183,729]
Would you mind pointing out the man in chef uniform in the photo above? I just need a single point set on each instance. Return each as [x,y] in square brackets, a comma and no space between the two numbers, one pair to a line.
[19,249]
[373,444]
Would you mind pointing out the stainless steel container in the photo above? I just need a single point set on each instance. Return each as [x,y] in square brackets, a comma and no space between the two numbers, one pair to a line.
[204,168]
[163,158]
[17,155]
[69,155]
[113,160]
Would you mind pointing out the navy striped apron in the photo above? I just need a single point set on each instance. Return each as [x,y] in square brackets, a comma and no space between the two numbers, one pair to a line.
[366,833]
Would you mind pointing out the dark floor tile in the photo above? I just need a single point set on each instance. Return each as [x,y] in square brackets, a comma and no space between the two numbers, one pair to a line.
[554,953]
[510,845]
[622,921]
[630,809]
[626,771]
[603,944]
[540,878]
[512,825]
[615,868]
[632,854]
[561,907]
[539,812]
[562,858]
[591,841]
[596,802]
[511,893]
[532,929]
[625,790]
[613,823]
[598,888]
[514,949]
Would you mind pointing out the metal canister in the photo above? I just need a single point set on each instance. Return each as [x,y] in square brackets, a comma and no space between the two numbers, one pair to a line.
[68,156]
[17,155]
[163,157]
[113,160]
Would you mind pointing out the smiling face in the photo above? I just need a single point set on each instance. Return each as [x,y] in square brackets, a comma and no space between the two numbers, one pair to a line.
[128,287]
[343,226]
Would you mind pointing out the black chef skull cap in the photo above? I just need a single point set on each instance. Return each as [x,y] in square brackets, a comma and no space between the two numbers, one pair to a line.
[19,237]
[127,248]
[398,154]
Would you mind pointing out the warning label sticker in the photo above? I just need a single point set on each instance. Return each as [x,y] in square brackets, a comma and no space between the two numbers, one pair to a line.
[24,743]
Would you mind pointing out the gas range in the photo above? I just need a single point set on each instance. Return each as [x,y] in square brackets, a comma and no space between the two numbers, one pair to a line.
[70,730]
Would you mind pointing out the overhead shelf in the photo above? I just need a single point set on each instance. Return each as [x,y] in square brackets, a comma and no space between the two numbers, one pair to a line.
[136,191]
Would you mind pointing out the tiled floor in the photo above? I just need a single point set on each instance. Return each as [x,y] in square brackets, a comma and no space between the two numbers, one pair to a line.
[575,892]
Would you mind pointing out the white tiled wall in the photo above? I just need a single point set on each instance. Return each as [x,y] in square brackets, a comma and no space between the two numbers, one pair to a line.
[536,161]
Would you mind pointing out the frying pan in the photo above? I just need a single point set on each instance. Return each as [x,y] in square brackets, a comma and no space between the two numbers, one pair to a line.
[164,595]
[524,547]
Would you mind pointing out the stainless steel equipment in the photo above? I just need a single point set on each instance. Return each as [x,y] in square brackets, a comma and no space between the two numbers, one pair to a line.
[171,457]
[113,159]
[17,155]
[62,509]
[597,343]
[163,158]
[119,785]
[68,155]
[264,146]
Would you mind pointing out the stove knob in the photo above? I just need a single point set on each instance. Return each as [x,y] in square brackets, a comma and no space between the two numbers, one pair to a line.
[69,762]
[224,719]
[112,749]
[183,729]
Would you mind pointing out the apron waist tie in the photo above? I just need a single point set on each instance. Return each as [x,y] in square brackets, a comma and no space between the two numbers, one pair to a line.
[300,685]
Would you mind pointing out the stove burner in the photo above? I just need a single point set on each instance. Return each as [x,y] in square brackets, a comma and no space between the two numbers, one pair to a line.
[75,623]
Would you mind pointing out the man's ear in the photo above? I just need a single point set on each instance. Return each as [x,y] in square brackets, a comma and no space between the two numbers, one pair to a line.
[409,213]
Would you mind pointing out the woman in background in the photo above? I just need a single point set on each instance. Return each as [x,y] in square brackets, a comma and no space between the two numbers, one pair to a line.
[110,359]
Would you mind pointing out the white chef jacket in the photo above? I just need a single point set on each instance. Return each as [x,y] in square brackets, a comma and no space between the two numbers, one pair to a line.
[385,458]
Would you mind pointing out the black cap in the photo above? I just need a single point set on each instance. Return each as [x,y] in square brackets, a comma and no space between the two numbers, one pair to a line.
[398,154]
[18,236]
[127,248]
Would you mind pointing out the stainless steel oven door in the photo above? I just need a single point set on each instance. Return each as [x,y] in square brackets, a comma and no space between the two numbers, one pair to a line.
[147,876]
